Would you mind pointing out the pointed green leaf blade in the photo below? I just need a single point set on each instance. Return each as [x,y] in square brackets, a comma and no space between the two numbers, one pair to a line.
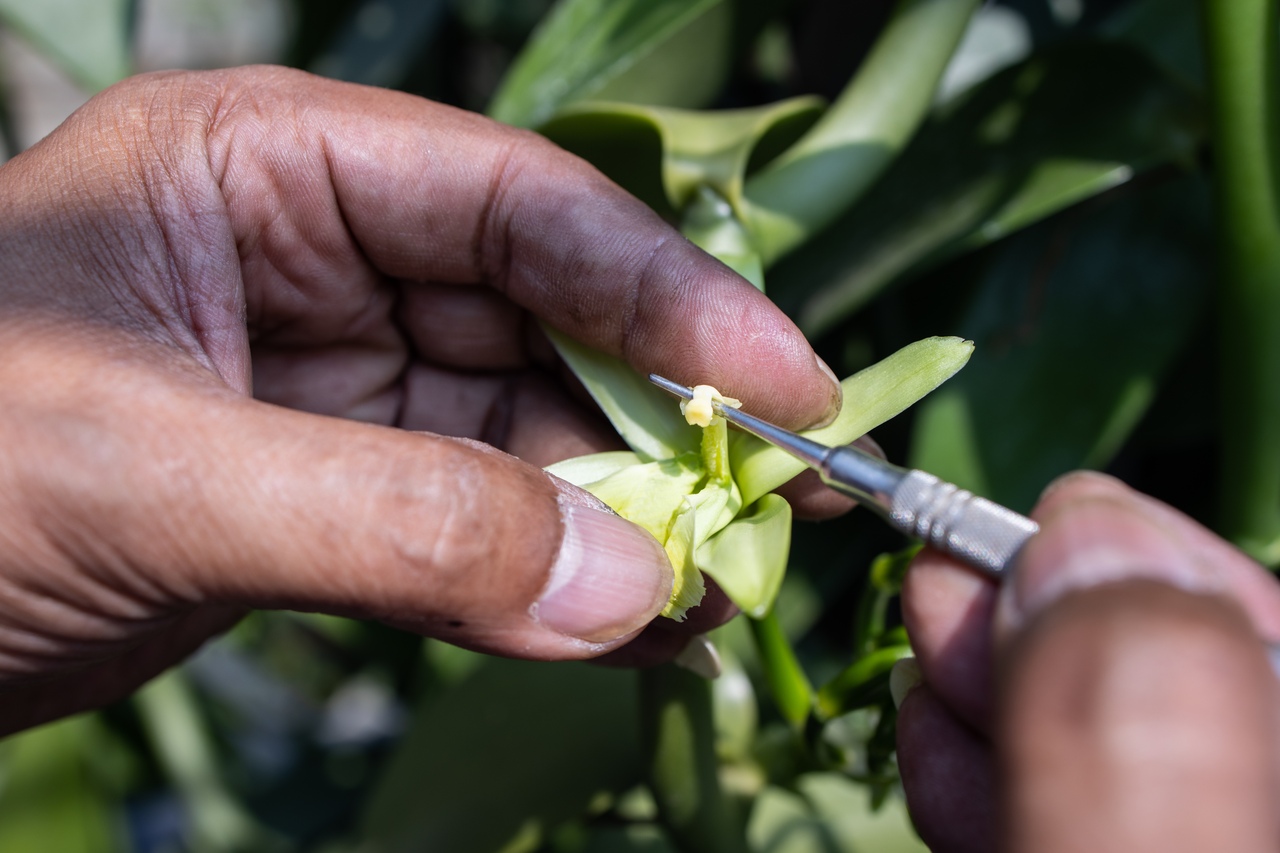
[672,52]
[871,397]
[645,417]
[1012,152]
[836,161]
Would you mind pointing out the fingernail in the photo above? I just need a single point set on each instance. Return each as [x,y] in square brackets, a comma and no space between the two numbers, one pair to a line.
[903,678]
[837,396]
[1077,481]
[610,578]
[1095,541]
[700,657]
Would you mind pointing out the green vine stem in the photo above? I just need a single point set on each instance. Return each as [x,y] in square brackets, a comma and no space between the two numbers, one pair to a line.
[171,718]
[862,683]
[786,679]
[678,733]
[1240,39]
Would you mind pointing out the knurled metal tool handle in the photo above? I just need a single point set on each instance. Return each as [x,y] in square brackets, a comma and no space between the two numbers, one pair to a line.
[970,528]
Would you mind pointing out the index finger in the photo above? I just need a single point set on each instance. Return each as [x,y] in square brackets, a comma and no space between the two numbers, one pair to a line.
[1094,529]
[431,193]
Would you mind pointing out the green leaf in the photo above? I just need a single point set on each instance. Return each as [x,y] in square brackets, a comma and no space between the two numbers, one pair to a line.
[1167,30]
[90,41]
[513,751]
[711,224]
[1040,136]
[669,52]
[816,179]
[871,397]
[736,713]
[826,812]
[748,558]
[642,414]
[644,148]
[48,798]
[678,729]
[1075,324]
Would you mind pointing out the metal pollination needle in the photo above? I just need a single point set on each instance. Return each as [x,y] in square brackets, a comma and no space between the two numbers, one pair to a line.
[972,529]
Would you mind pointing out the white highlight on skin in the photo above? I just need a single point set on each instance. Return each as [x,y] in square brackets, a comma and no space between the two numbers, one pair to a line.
[903,678]
[1090,567]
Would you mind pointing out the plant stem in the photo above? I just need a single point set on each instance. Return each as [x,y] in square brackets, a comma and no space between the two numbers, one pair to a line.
[186,752]
[860,683]
[1240,39]
[678,735]
[787,682]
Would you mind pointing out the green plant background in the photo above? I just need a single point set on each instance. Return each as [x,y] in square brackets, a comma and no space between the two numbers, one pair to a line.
[1044,186]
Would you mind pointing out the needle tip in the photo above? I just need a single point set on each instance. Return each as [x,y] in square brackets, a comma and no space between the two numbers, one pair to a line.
[671,387]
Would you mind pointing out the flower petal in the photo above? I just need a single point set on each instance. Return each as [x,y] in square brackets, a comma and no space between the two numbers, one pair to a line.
[748,558]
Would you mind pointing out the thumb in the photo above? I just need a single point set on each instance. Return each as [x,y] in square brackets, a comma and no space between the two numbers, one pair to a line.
[1139,716]
[235,501]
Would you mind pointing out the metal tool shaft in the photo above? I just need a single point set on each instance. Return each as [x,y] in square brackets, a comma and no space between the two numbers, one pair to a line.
[972,529]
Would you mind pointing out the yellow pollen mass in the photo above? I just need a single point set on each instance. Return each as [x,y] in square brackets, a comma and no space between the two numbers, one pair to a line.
[699,411]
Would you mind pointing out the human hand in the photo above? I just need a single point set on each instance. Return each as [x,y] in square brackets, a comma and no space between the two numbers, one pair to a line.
[1115,694]
[357,260]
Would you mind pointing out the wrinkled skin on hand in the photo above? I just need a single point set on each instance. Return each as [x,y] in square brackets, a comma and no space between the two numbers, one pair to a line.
[272,341]
[1116,693]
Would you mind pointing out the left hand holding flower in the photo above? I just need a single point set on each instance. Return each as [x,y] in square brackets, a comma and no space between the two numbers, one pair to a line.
[223,290]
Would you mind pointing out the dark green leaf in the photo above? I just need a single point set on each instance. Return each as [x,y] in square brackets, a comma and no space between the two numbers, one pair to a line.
[827,170]
[664,155]
[48,798]
[384,40]
[1040,136]
[1169,32]
[90,41]
[511,752]
[828,812]
[668,52]
[679,736]
[1075,323]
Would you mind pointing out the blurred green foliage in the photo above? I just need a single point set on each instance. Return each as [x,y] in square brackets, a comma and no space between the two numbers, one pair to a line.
[1034,176]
